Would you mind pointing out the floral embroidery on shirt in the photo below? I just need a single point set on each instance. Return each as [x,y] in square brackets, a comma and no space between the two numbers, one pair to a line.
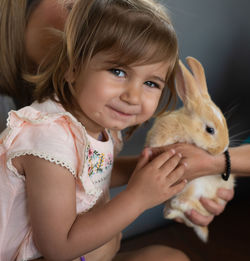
[98,162]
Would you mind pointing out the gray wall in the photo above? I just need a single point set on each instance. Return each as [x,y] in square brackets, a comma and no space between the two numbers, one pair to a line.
[216,32]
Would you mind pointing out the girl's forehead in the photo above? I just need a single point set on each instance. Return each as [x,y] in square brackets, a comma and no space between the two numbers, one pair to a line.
[107,59]
[114,58]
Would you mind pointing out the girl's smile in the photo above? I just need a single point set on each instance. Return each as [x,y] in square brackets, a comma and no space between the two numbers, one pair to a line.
[117,97]
[96,61]
[124,109]
[120,113]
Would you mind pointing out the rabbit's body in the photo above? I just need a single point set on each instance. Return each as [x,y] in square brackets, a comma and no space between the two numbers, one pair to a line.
[198,122]
[189,199]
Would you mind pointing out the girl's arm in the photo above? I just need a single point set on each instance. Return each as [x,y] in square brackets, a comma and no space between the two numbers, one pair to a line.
[122,170]
[61,234]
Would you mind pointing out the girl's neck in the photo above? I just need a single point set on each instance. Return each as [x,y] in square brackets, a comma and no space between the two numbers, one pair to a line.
[94,130]
[102,136]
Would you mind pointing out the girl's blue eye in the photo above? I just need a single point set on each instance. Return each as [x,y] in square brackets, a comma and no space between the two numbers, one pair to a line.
[118,72]
[152,84]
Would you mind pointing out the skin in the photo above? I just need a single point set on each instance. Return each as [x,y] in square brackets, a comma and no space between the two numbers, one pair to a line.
[199,162]
[37,41]
[152,182]
[51,13]
[123,96]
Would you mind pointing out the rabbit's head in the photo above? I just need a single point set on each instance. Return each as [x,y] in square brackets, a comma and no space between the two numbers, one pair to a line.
[204,120]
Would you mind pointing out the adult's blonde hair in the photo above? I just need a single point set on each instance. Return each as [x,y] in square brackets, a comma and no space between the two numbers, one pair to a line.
[14,16]
[132,31]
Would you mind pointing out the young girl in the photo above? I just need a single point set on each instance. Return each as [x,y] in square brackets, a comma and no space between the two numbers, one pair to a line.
[108,72]
[26,40]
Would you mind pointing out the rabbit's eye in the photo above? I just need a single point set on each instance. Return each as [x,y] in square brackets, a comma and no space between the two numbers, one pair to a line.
[210,130]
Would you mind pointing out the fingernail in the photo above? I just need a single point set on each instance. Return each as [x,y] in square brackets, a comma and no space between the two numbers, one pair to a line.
[173,151]
[179,154]
[150,152]
[185,164]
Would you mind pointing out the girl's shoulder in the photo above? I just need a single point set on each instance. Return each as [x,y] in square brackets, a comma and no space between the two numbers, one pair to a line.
[45,130]
[38,115]
[49,116]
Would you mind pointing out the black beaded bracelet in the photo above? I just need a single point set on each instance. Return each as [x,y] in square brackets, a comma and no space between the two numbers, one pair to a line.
[226,175]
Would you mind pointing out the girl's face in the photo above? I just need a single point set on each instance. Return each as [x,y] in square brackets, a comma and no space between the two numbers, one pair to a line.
[38,39]
[116,97]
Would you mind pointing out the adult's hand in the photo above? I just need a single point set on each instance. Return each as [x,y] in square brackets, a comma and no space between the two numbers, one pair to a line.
[211,206]
[198,161]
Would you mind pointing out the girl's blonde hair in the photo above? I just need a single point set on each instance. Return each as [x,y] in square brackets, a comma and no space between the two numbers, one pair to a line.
[133,31]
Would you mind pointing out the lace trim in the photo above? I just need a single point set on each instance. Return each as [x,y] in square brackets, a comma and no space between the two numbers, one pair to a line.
[41,155]
[43,118]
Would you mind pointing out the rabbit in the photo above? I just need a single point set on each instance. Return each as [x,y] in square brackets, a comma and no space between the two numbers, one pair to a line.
[199,122]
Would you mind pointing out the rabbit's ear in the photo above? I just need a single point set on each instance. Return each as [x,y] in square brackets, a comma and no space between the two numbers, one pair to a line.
[199,75]
[180,83]
[186,85]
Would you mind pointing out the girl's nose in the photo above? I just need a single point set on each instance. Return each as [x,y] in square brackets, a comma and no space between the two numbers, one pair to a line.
[132,94]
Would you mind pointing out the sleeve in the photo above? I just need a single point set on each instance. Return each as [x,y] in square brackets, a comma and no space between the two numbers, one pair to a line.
[49,138]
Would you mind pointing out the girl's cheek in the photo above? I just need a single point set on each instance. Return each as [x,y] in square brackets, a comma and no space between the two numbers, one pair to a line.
[155,102]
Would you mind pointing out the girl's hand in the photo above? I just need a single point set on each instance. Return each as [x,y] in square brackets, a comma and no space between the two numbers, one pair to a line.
[211,206]
[155,181]
[200,163]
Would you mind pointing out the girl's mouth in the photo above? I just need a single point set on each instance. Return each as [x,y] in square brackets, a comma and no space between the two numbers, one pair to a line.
[119,112]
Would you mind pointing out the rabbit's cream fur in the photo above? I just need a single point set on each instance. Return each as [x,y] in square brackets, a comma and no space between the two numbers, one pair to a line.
[189,124]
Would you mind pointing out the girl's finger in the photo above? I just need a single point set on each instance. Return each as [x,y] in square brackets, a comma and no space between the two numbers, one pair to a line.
[144,158]
[171,164]
[156,151]
[164,157]
[175,175]
[176,188]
